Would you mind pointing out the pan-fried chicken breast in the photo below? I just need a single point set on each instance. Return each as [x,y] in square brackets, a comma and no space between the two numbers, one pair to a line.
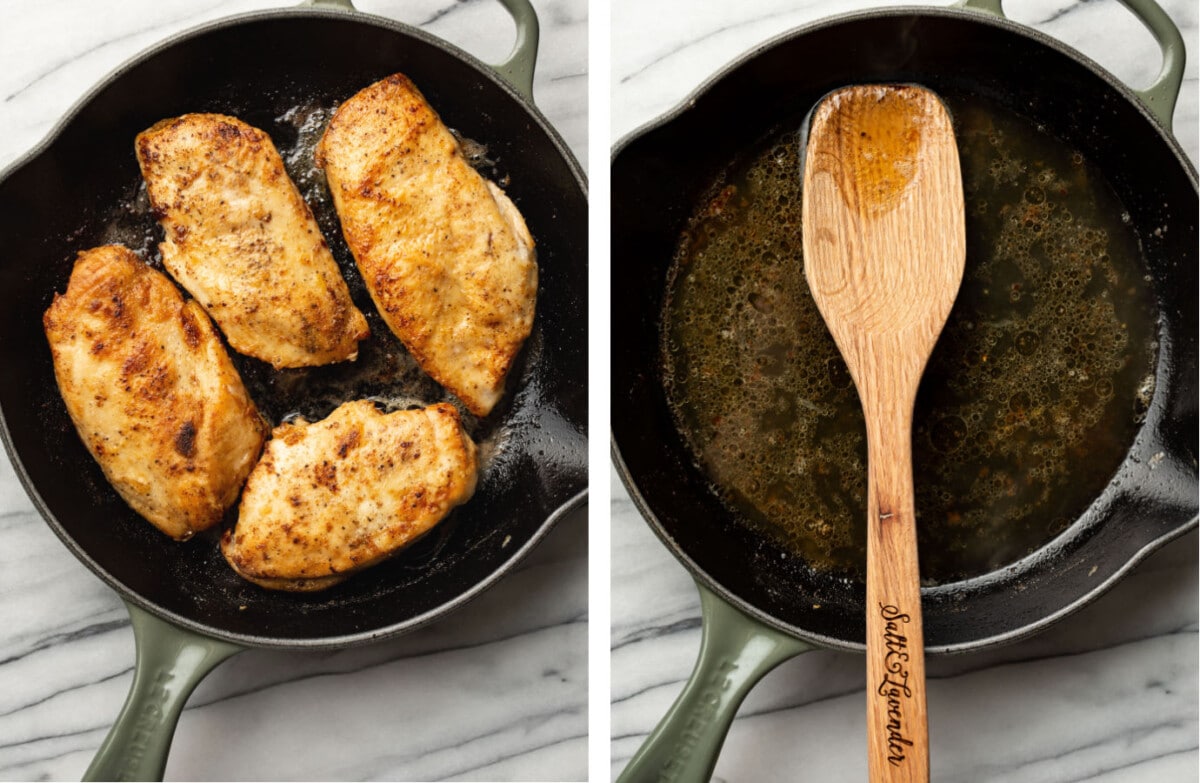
[335,496]
[241,240]
[445,254]
[152,391]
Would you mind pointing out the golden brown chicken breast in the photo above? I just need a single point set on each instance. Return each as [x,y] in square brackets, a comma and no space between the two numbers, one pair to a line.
[335,496]
[242,241]
[152,391]
[444,253]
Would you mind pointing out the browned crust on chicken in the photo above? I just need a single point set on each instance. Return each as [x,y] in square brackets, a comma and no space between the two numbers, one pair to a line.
[444,253]
[330,498]
[243,242]
[152,392]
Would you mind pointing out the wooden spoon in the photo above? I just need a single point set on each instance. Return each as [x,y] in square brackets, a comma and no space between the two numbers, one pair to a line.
[884,247]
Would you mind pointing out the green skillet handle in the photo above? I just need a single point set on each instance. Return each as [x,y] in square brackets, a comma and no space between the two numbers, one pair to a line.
[170,663]
[735,652]
[1160,96]
[517,70]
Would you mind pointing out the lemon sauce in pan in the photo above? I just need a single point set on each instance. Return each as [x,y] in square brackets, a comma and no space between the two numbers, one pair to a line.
[1030,401]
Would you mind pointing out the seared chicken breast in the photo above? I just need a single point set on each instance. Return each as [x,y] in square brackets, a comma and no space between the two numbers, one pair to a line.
[330,498]
[152,391]
[242,241]
[445,254]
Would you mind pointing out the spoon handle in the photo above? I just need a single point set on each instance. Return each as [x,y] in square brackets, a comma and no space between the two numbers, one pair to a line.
[897,729]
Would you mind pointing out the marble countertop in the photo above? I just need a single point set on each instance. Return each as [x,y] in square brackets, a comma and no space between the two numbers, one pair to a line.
[495,691]
[1110,694]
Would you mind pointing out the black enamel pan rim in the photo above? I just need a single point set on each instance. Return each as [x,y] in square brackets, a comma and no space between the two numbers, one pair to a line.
[909,11]
[831,642]
[1157,403]
[485,72]
[483,69]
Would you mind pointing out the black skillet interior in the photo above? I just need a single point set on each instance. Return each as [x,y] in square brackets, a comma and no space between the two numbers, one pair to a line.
[273,71]
[657,177]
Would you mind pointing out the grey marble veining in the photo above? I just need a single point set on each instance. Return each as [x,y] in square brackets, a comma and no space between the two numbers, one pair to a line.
[1109,694]
[495,691]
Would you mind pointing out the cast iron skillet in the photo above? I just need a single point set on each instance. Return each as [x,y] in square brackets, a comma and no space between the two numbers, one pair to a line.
[759,608]
[189,610]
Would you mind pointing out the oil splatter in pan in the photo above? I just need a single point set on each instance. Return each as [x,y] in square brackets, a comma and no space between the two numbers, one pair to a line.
[384,372]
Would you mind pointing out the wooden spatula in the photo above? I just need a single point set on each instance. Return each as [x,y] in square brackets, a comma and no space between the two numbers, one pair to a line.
[884,247]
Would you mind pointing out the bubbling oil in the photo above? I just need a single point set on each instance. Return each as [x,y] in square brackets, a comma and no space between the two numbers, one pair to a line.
[1029,403]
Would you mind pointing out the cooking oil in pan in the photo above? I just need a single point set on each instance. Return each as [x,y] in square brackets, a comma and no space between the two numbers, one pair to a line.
[1032,397]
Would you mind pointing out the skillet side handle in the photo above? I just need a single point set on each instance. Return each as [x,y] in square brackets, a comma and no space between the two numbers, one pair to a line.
[1159,97]
[735,652]
[518,69]
[171,661]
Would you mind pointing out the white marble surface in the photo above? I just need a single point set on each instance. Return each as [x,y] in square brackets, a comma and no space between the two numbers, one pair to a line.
[496,691]
[1108,695]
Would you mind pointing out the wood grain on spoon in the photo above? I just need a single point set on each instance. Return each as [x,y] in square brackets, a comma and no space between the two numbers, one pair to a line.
[884,246]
